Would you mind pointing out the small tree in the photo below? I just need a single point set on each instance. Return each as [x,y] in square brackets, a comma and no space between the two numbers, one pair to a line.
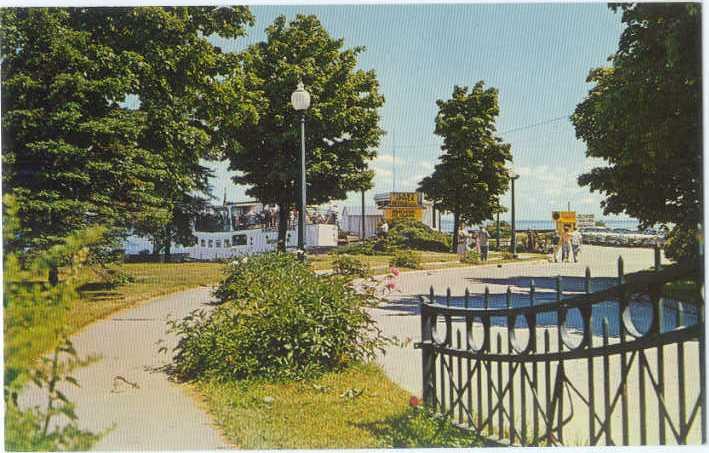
[345,101]
[472,174]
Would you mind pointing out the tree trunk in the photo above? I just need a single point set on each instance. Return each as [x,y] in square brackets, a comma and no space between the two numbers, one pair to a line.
[54,275]
[167,248]
[283,212]
[456,226]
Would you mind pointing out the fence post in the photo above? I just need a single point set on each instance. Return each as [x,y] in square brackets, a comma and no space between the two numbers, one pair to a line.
[427,356]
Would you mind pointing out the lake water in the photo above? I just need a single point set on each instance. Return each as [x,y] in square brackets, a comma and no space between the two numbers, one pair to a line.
[524,225]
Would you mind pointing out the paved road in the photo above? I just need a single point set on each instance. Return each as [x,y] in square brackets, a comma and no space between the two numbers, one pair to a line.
[400,317]
[157,414]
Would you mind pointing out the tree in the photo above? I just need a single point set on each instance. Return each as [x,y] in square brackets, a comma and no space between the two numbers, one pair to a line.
[344,101]
[191,94]
[472,173]
[70,152]
[643,117]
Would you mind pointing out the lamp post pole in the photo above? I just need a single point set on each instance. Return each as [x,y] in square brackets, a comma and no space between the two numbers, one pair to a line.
[514,228]
[300,100]
[363,225]
[301,213]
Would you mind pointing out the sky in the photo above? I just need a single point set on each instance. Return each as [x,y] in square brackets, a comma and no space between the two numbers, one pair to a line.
[536,55]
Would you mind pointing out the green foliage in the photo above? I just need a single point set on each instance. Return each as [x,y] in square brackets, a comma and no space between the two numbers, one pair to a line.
[471,257]
[472,173]
[359,248]
[350,266]
[29,429]
[682,244]
[25,300]
[70,152]
[420,427]
[643,118]
[345,102]
[412,234]
[278,320]
[406,258]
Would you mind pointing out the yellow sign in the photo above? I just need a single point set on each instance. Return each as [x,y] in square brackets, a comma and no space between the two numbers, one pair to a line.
[403,213]
[403,199]
[564,219]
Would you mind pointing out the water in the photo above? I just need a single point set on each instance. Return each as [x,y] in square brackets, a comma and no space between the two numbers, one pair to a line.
[524,225]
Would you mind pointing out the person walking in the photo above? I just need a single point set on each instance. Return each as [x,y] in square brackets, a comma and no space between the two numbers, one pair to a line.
[565,245]
[531,246]
[576,240]
[384,229]
[555,240]
[484,242]
[462,248]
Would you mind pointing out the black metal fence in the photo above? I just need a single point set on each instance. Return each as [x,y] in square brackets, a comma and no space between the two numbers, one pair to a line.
[623,365]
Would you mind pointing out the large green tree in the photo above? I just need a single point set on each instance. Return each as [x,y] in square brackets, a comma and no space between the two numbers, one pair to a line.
[643,117]
[71,155]
[472,173]
[189,91]
[344,101]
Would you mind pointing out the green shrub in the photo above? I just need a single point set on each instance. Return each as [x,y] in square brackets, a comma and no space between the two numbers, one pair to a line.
[471,257]
[683,244]
[350,266]
[27,296]
[411,234]
[277,320]
[359,248]
[406,258]
[420,427]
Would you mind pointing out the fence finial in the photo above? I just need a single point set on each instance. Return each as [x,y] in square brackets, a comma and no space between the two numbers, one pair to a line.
[558,288]
[658,261]
[448,296]
[532,289]
[587,286]
[508,297]
[467,297]
[431,295]
[486,298]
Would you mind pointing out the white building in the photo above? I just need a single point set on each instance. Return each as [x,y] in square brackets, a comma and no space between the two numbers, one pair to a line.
[351,221]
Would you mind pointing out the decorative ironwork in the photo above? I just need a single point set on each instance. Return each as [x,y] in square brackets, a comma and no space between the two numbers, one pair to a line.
[572,370]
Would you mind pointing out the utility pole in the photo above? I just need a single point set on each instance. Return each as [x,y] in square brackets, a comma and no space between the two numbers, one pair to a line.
[363,213]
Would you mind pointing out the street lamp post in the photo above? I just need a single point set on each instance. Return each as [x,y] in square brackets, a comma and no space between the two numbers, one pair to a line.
[513,177]
[300,99]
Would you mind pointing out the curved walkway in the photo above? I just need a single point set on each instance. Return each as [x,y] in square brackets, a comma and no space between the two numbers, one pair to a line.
[125,389]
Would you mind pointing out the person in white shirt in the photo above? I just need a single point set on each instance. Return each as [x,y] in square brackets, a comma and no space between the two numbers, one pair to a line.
[576,244]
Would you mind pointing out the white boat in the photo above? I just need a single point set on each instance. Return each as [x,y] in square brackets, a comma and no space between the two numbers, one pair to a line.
[242,229]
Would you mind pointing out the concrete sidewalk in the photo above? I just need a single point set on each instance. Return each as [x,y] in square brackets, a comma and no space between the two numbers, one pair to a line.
[125,388]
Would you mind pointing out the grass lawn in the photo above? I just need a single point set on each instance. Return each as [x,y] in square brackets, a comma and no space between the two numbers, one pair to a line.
[355,408]
[33,330]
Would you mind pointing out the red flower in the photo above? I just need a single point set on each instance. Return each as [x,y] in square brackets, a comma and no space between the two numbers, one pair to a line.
[395,271]
[414,401]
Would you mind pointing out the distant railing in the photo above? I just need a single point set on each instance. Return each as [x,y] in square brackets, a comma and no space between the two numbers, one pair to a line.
[628,349]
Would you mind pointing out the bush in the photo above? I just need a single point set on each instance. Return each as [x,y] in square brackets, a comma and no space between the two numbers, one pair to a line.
[359,248]
[350,266]
[420,427]
[682,244]
[406,258]
[277,320]
[411,234]
[472,257]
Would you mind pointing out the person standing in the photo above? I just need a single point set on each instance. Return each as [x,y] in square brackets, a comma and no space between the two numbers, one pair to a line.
[576,244]
[555,240]
[531,246]
[384,229]
[484,241]
[565,245]
[462,243]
